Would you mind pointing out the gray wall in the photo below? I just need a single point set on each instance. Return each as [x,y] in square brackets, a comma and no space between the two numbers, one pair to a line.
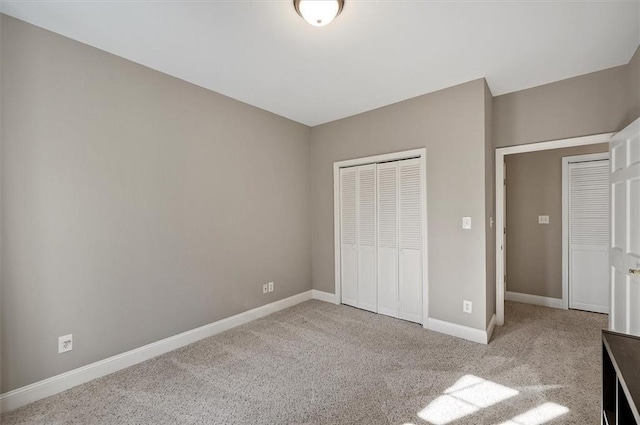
[534,251]
[633,70]
[490,204]
[137,206]
[589,104]
[1,198]
[451,125]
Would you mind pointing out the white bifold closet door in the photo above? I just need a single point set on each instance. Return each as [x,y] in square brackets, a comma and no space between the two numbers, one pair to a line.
[388,252]
[358,237]
[381,238]
[589,270]
[410,282]
[400,240]
[349,235]
[367,271]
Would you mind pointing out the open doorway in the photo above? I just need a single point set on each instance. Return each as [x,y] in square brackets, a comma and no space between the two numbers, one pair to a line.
[557,228]
[536,273]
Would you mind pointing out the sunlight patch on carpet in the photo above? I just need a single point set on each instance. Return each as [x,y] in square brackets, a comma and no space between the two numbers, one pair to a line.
[538,415]
[468,395]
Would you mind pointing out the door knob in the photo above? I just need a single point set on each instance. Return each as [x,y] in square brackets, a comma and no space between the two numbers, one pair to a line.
[634,271]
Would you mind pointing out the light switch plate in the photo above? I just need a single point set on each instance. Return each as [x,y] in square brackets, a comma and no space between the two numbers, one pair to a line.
[543,219]
[466,223]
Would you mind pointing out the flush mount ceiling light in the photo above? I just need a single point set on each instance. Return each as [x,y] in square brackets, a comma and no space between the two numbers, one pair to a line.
[318,12]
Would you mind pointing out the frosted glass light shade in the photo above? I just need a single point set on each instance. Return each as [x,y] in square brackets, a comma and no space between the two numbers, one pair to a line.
[318,12]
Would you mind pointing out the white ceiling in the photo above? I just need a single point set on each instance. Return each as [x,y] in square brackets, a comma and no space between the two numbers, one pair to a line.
[374,54]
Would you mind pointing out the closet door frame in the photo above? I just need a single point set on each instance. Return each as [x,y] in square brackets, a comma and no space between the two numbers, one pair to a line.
[409,154]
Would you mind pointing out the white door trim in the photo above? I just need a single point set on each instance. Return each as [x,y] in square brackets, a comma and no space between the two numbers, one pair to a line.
[395,156]
[566,160]
[500,154]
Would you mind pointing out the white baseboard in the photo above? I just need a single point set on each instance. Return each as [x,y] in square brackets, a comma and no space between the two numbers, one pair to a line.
[533,299]
[594,308]
[465,332]
[323,296]
[490,327]
[39,390]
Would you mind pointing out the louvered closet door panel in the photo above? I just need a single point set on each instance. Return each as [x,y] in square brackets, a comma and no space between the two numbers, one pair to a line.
[349,235]
[388,239]
[367,272]
[410,284]
[589,208]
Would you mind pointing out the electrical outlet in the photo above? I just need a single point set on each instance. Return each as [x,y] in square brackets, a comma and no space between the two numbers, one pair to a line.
[466,223]
[65,343]
[270,286]
[265,288]
[467,306]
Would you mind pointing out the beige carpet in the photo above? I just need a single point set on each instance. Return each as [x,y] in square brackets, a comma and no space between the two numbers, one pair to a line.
[317,363]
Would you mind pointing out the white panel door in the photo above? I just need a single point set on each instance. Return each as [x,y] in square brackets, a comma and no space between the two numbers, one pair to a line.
[589,271]
[349,235]
[410,231]
[624,154]
[388,239]
[367,270]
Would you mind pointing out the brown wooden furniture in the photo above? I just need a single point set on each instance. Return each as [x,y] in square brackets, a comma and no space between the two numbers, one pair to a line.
[620,379]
